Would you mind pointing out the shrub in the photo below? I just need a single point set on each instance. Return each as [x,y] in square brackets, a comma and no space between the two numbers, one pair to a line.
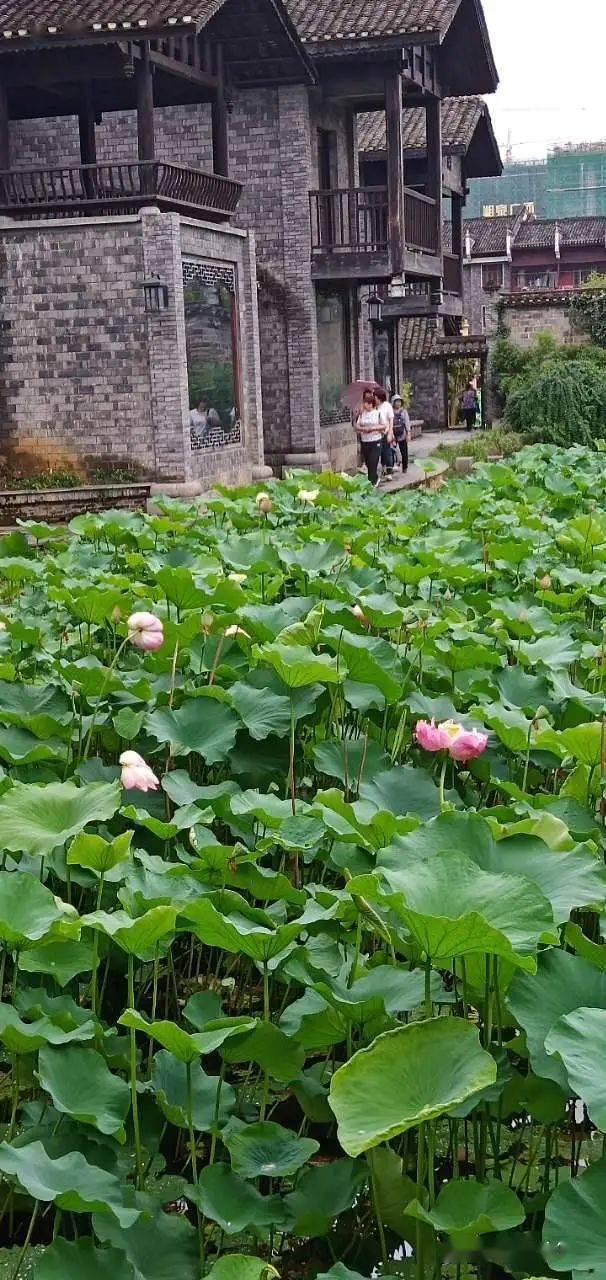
[483,445]
[560,402]
[588,310]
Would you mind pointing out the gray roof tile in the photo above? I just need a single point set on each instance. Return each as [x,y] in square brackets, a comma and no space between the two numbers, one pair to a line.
[359,19]
[460,118]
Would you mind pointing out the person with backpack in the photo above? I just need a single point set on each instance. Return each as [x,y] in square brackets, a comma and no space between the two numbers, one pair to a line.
[401,429]
[470,406]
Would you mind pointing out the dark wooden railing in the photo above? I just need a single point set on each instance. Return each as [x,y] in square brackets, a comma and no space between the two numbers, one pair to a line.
[349,220]
[452,274]
[115,188]
[420,224]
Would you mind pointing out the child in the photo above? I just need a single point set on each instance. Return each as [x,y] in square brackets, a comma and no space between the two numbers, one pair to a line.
[401,428]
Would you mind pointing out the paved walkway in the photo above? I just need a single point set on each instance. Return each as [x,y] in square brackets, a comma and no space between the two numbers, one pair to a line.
[422,448]
[427,444]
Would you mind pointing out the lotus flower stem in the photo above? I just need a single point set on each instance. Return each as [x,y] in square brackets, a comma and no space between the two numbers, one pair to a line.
[26,1242]
[377,1208]
[442,781]
[133,1076]
[106,680]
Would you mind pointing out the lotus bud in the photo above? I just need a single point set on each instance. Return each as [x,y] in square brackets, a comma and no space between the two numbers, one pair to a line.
[235,630]
[145,631]
[116,614]
[358,613]
[545,583]
[136,774]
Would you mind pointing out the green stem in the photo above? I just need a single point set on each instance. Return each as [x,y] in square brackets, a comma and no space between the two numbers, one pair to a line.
[133,1077]
[26,1242]
[420,1185]
[377,1208]
[101,693]
[442,781]
[428,999]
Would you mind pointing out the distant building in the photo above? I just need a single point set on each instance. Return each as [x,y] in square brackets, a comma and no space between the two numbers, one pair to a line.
[522,255]
[570,182]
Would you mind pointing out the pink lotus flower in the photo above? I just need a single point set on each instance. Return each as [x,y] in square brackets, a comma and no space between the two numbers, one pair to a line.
[461,744]
[431,736]
[468,745]
[136,774]
[145,631]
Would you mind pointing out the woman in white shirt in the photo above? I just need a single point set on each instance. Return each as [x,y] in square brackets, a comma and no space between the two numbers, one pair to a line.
[370,432]
[386,418]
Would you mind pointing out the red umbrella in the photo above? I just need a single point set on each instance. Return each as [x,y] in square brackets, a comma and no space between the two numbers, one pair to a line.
[351,397]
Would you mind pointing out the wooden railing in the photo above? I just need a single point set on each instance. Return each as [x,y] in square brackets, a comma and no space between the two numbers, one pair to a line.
[453,278]
[108,188]
[349,220]
[420,222]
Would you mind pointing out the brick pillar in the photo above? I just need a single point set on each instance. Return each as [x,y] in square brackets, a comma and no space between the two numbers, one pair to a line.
[161,234]
[296,179]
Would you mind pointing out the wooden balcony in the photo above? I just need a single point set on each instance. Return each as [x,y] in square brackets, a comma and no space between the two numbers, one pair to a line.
[93,189]
[350,234]
[420,222]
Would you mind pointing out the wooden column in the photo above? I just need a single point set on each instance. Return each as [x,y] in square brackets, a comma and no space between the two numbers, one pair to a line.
[434,164]
[4,128]
[395,169]
[145,105]
[86,128]
[219,120]
[457,233]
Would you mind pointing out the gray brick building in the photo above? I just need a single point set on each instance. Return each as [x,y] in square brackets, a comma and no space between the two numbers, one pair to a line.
[167,183]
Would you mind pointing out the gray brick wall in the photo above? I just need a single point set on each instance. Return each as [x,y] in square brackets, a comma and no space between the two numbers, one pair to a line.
[273,152]
[527,319]
[74,377]
[87,377]
[429,391]
[480,306]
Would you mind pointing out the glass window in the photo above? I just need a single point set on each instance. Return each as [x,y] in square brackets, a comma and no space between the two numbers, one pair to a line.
[211,336]
[334,353]
[492,275]
[533,279]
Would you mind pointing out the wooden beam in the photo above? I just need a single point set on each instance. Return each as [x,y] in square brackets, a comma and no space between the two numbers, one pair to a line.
[183,71]
[219,120]
[86,127]
[145,106]
[4,128]
[433,111]
[457,233]
[395,168]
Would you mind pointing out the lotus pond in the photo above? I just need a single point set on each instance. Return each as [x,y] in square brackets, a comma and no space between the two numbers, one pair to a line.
[328,1000]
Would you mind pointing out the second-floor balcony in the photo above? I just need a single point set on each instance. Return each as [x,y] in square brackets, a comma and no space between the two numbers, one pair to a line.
[351,236]
[93,189]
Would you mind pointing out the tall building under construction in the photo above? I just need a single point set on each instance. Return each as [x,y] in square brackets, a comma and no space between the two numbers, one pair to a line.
[570,182]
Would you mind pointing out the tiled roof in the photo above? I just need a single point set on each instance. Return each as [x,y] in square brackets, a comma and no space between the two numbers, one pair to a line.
[460,118]
[19,18]
[422,340]
[489,235]
[318,20]
[539,233]
[418,337]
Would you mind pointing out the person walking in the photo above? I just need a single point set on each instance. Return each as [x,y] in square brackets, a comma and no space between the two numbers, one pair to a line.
[470,405]
[386,418]
[370,434]
[401,429]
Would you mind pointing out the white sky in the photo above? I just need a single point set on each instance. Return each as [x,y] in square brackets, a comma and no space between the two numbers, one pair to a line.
[551,58]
